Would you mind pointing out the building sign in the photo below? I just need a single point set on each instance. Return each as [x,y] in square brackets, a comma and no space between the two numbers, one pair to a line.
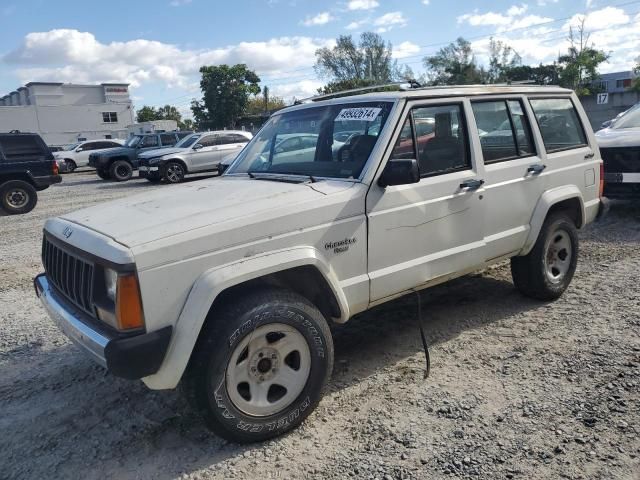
[116,90]
[602,98]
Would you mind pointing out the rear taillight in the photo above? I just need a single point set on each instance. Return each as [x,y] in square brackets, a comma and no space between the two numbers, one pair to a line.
[601,192]
[54,168]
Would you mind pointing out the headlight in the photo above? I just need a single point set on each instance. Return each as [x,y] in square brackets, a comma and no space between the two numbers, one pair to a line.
[126,311]
[111,283]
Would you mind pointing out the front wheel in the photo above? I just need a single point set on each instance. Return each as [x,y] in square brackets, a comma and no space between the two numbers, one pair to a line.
[174,172]
[121,171]
[17,196]
[261,365]
[546,272]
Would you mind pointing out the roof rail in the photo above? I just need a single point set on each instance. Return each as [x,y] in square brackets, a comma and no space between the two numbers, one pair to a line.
[405,85]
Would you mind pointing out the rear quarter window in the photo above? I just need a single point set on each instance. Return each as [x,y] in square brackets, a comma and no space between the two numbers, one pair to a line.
[22,147]
[559,123]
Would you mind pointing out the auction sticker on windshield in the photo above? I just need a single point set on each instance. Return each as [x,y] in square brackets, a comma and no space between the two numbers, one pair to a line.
[360,113]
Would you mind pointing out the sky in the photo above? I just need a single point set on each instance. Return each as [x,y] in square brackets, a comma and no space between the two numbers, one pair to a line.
[158,45]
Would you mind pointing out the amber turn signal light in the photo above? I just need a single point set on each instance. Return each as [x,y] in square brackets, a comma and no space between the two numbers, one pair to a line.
[129,313]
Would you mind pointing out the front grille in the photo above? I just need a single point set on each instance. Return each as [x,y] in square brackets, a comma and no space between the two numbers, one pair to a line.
[621,160]
[71,275]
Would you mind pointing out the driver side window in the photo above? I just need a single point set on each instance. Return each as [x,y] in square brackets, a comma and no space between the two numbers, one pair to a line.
[208,141]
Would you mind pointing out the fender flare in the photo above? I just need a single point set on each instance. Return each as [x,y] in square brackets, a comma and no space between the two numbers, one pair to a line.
[545,203]
[213,282]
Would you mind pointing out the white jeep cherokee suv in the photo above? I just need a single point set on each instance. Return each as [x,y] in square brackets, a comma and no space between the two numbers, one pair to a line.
[228,285]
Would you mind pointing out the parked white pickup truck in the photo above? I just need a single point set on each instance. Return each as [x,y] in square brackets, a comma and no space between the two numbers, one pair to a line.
[228,285]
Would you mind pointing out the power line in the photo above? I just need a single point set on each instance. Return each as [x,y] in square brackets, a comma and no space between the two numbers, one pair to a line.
[279,80]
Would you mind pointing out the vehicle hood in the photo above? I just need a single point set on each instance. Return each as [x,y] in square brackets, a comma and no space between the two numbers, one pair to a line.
[231,209]
[113,151]
[618,137]
[158,152]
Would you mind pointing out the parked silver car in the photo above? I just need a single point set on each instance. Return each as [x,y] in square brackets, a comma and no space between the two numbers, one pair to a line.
[200,152]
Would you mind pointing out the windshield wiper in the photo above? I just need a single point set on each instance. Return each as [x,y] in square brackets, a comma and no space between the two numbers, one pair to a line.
[280,176]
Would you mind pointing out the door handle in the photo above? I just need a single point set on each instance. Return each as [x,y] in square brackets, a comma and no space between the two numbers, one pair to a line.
[536,169]
[472,184]
[589,155]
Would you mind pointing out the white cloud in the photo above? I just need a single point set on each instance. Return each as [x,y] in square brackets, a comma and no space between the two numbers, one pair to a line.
[321,18]
[388,21]
[512,19]
[362,4]
[610,29]
[405,49]
[72,56]
[179,3]
[426,2]
[298,90]
[544,3]
[357,24]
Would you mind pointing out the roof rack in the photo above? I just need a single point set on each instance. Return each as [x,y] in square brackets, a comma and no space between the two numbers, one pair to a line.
[406,85]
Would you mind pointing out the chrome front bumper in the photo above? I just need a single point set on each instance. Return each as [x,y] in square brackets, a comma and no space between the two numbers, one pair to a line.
[70,321]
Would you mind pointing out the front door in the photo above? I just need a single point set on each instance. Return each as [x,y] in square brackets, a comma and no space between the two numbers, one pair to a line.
[205,153]
[425,232]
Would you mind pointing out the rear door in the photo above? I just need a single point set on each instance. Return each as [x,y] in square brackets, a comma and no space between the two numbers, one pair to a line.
[425,232]
[229,143]
[514,172]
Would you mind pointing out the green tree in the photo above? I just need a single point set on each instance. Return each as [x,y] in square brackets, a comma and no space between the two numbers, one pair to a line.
[370,61]
[579,66]
[147,114]
[258,104]
[225,94]
[169,112]
[502,59]
[188,124]
[454,64]
[635,86]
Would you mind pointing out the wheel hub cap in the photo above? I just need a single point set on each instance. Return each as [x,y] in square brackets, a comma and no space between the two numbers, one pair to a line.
[268,369]
[17,198]
[558,256]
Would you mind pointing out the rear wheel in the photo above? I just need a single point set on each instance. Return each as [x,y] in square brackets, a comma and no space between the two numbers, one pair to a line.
[103,174]
[546,272]
[121,171]
[71,165]
[260,366]
[17,196]
[174,172]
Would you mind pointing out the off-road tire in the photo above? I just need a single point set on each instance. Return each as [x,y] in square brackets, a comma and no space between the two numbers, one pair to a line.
[71,165]
[103,174]
[121,171]
[17,197]
[174,172]
[205,381]
[529,272]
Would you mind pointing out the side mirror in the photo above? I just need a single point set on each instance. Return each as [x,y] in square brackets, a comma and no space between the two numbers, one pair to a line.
[400,172]
[79,149]
[198,146]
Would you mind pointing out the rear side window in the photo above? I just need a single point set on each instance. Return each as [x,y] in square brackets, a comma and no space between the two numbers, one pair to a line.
[21,147]
[209,140]
[168,140]
[440,137]
[503,129]
[559,124]
[150,141]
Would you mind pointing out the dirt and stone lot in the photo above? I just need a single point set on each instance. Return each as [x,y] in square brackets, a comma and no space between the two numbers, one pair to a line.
[518,389]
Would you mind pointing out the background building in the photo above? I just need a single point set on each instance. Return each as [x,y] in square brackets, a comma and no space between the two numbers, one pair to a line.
[65,113]
[615,97]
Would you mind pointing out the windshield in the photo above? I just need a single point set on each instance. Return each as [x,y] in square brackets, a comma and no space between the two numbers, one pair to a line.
[70,147]
[186,142]
[631,119]
[133,141]
[327,141]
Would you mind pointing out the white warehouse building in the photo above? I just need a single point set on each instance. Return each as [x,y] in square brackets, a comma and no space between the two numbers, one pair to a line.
[65,113]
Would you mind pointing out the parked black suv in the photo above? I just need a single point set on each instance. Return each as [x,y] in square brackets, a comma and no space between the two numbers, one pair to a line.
[119,163]
[26,166]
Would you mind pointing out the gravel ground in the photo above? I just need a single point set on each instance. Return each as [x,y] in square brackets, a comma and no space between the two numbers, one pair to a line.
[518,389]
